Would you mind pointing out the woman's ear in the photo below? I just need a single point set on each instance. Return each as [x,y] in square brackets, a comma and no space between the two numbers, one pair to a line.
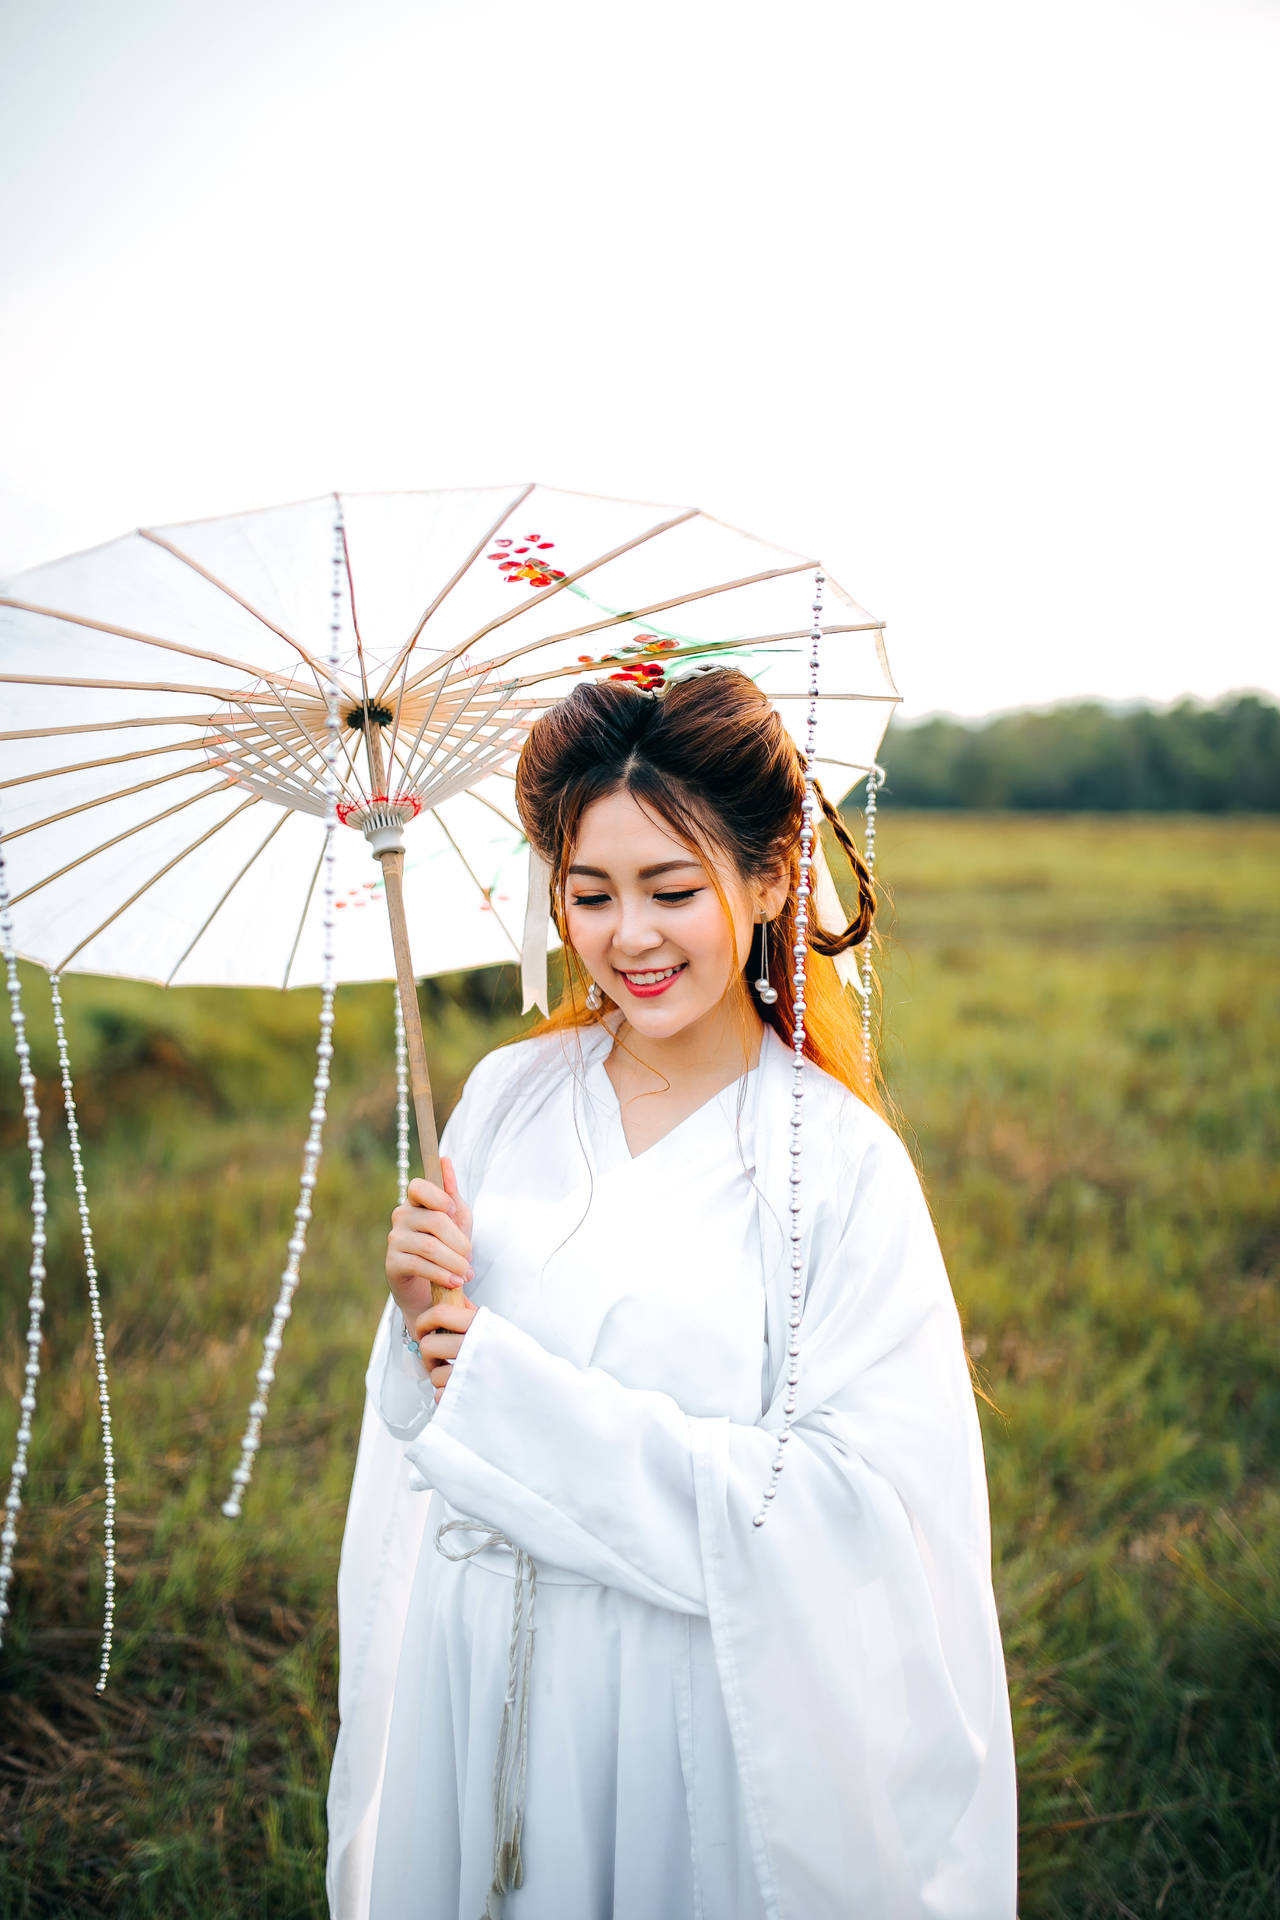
[774,895]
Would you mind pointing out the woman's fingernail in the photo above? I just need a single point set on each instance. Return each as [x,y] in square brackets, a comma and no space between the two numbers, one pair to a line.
[471,1273]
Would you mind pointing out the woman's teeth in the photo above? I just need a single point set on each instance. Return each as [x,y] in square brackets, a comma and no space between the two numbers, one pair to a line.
[650,979]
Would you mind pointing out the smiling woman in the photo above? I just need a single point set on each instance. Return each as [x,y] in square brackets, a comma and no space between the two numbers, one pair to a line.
[654,936]
[728,1719]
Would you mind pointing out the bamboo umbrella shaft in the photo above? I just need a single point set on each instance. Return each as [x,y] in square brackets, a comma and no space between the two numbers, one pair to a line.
[419,1077]
[392,863]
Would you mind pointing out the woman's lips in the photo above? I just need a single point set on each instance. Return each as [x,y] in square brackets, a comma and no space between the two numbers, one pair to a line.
[658,986]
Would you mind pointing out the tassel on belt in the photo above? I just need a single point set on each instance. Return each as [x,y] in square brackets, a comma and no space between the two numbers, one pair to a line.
[508,1809]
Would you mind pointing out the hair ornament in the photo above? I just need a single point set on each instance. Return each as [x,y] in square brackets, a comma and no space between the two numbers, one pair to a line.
[533,950]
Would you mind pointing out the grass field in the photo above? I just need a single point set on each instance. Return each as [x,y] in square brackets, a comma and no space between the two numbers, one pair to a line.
[1082,1032]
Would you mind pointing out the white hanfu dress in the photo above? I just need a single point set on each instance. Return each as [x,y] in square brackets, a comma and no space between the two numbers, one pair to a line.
[668,1764]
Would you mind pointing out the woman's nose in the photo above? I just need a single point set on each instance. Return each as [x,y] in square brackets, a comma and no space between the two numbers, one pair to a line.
[636,933]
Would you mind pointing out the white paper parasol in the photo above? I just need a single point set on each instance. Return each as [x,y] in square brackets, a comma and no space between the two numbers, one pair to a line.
[164,714]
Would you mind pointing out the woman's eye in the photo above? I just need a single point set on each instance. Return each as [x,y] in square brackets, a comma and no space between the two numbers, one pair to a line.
[667,899]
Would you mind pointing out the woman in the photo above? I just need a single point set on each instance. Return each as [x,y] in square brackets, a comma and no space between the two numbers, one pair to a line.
[744,1703]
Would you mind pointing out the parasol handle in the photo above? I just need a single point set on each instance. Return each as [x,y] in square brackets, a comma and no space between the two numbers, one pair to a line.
[387,848]
[392,861]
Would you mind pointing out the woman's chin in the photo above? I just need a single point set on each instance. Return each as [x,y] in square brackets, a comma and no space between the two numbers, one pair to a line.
[664,1022]
[655,1020]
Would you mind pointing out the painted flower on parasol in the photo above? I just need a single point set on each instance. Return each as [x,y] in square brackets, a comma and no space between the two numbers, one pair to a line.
[521,562]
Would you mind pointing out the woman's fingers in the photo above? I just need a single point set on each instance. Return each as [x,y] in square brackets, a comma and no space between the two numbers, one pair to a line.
[406,1272]
[425,1196]
[439,1331]
[420,1220]
[425,1193]
[448,1318]
[426,1241]
[440,1348]
[435,1347]
[430,1248]
[463,1215]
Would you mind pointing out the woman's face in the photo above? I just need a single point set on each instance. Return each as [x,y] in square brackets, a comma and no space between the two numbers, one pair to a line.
[644,916]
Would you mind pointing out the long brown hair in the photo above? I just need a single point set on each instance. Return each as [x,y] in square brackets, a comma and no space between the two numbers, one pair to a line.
[711,757]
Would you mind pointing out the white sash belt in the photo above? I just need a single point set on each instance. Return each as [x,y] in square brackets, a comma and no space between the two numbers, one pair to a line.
[508,1812]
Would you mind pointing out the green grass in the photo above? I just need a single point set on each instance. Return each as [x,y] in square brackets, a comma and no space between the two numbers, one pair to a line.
[1081,1032]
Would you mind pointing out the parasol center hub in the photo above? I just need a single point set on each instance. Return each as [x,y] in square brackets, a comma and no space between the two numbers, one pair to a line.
[373,712]
[381,820]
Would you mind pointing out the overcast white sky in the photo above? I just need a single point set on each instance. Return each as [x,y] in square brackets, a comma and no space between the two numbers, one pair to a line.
[978,302]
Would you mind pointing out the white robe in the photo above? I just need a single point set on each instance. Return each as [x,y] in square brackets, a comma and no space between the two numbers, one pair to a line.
[801,1721]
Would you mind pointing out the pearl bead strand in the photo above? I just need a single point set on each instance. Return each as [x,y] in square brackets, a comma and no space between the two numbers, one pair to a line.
[35,1298]
[99,1340]
[808,829]
[274,1340]
[875,780]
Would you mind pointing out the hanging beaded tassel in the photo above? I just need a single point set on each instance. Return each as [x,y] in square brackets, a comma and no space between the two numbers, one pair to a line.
[807,830]
[875,780]
[402,1104]
[99,1340]
[274,1340]
[35,1298]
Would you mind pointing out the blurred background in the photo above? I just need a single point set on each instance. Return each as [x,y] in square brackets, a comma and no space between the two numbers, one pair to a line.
[980,306]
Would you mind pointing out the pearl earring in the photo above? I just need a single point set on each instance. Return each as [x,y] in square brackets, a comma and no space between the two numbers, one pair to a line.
[766,992]
[595,999]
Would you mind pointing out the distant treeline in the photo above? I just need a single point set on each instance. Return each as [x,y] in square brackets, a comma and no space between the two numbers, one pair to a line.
[1091,758]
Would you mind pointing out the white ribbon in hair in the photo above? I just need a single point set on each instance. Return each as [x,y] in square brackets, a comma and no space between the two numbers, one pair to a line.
[533,953]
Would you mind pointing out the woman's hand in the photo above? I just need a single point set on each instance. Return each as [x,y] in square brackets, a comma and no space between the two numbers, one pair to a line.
[440,1332]
[430,1240]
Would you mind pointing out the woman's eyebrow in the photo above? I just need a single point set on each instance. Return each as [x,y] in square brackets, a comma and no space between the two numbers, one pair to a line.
[646,873]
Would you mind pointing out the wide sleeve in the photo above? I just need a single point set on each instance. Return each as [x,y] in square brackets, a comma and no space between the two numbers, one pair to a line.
[855,1632]
[579,1470]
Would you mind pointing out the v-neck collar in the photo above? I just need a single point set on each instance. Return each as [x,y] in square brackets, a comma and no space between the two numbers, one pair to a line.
[597,1073]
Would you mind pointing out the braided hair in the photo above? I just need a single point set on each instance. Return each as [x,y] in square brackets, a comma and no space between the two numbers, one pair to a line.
[860,926]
